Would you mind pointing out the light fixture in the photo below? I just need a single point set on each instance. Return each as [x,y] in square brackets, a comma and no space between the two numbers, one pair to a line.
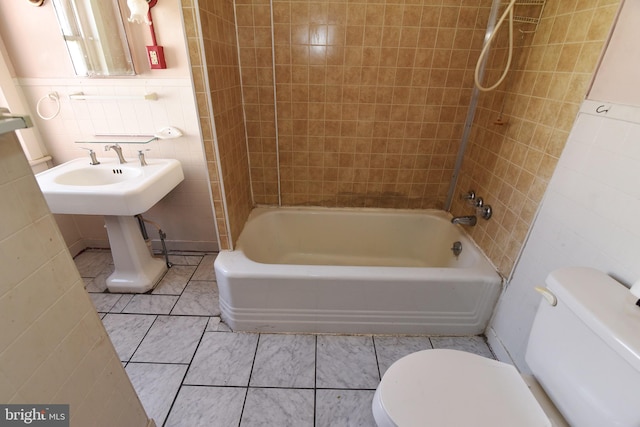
[139,11]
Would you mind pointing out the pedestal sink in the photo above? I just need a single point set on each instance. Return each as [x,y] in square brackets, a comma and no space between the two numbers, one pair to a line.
[117,191]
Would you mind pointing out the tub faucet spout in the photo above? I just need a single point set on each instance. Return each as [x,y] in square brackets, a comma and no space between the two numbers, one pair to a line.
[465,220]
[118,151]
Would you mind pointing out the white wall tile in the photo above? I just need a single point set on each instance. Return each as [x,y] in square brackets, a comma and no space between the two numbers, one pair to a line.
[53,346]
[11,210]
[587,218]
[82,120]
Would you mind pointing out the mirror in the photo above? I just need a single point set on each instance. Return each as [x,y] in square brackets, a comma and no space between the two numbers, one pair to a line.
[94,33]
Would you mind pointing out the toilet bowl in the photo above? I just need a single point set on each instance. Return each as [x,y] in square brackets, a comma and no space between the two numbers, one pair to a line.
[583,350]
[454,388]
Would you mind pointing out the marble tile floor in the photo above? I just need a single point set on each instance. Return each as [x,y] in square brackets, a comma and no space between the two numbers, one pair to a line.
[190,369]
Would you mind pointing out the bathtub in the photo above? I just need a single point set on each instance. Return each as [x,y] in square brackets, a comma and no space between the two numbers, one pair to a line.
[373,271]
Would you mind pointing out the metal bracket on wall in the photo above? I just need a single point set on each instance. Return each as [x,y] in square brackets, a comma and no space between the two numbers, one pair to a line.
[530,20]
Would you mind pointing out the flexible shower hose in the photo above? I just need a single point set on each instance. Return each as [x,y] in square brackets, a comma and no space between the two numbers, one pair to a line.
[508,11]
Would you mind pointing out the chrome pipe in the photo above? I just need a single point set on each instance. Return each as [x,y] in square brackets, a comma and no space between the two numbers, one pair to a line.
[473,105]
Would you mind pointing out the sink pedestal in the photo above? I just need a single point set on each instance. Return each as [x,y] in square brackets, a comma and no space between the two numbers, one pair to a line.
[117,191]
[136,271]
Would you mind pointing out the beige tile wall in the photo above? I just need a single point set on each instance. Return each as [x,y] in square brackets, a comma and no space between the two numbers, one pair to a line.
[510,165]
[53,347]
[256,57]
[371,97]
[223,128]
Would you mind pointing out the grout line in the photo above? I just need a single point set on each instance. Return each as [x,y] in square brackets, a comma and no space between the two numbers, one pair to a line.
[253,362]
[375,352]
[275,102]
[243,103]
[145,335]
[164,314]
[156,363]
[346,389]
[204,330]
[315,382]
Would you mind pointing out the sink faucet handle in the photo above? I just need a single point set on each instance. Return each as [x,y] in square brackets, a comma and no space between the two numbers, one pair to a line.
[143,161]
[92,154]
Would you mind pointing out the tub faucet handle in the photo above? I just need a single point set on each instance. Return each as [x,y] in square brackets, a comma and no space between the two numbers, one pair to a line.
[485,211]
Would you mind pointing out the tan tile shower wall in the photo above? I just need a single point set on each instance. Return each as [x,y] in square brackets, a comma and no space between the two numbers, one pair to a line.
[220,68]
[256,56]
[510,165]
[371,98]
[206,123]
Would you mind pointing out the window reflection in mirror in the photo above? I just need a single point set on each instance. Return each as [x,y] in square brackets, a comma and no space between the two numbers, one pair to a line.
[95,37]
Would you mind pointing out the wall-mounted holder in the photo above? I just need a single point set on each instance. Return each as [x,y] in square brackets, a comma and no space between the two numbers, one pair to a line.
[168,132]
[80,96]
[55,98]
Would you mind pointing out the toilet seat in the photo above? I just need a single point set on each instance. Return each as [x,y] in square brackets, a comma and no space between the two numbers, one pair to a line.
[454,388]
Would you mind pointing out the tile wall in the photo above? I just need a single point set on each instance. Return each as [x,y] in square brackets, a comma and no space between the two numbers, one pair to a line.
[41,65]
[85,120]
[213,50]
[510,165]
[587,218]
[370,98]
[57,350]
[256,58]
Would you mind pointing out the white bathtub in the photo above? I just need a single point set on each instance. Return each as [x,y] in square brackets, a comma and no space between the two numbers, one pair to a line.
[355,271]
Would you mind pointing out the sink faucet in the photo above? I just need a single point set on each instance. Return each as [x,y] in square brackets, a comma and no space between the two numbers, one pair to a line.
[464,220]
[118,151]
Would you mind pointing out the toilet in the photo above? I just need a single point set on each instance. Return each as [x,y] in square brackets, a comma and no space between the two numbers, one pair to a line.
[584,352]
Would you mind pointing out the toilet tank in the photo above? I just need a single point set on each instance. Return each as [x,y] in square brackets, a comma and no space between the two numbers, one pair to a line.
[585,350]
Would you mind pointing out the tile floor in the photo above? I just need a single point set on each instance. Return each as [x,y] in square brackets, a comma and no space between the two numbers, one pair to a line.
[189,369]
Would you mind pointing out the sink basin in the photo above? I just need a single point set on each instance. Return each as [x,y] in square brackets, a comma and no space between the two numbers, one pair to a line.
[110,188]
[86,176]
[117,191]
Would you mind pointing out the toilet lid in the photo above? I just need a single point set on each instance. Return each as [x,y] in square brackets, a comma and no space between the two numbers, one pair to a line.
[455,388]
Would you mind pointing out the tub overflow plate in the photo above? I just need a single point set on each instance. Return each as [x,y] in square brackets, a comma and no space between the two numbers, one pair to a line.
[456,248]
